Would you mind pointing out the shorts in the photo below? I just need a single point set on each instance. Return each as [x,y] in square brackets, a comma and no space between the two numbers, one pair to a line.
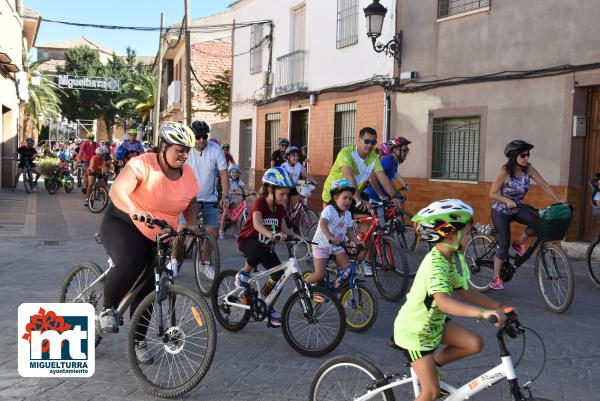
[210,214]
[22,164]
[85,165]
[257,253]
[324,253]
[414,355]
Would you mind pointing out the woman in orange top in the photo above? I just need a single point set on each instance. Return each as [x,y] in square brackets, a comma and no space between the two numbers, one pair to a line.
[153,185]
[98,168]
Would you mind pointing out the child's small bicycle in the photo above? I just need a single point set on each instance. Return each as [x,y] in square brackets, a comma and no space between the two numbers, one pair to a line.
[58,180]
[237,213]
[353,378]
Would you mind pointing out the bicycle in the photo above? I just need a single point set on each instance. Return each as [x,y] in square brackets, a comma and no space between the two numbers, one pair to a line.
[479,255]
[313,318]
[592,256]
[237,214]
[300,217]
[59,180]
[180,328]
[99,197]
[79,174]
[360,305]
[355,378]
[28,181]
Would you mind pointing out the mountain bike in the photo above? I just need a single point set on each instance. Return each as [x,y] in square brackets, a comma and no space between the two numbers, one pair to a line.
[59,180]
[99,198]
[313,318]
[237,213]
[354,378]
[28,181]
[79,174]
[179,327]
[300,218]
[553,271]
[592,256]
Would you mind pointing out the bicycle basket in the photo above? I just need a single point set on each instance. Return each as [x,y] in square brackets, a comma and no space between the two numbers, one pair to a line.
[305,190]
[554,222]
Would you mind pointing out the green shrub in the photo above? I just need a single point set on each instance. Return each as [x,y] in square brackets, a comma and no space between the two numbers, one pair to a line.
[46,164]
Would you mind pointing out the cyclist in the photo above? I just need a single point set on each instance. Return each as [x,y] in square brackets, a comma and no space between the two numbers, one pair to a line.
[359,164]
[99,166]
[304,157]
[63,166]
[87,150]
[278,156]
[421,324]
[131,144]
[394,153]
[235,183]
[27,154]
[153,185]
[265,224]
[226,147]
[296,172]
[334,225]
[508,191]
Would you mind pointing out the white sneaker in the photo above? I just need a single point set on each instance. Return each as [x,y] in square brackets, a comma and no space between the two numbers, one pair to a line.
[221,235]
[174,267]
[209,270]
[367,268]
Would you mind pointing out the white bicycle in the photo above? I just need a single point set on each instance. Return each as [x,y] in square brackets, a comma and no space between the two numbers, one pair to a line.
[313,319]
[354,378]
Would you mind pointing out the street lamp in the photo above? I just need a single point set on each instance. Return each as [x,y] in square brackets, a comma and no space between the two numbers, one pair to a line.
[375,14]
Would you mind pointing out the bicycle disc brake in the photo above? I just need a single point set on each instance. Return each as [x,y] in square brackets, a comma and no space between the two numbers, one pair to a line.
[258,310]
[507,272]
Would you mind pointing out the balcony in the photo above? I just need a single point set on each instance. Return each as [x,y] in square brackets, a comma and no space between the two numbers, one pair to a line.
[290,73]
[174,95]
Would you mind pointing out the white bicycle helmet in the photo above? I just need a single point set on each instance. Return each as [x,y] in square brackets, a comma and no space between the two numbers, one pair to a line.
[176,134]
[441,218]
[102,151]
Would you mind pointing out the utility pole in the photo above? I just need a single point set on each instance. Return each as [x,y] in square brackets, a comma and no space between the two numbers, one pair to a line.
[156,119]
[188,70]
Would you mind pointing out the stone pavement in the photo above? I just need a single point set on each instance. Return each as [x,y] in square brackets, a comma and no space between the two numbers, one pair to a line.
[43,236]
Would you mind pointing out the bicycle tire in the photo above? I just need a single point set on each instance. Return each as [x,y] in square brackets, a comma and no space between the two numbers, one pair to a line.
[196,325]
[79,177]
[563,302]
[307,219]
[407,227]
[224,283]
[98,200]
[363,314]
[593,262]
[205,279]
[323,301]
[480,268]
[241,220]
[347,371]
[52,186]
[390,274]
[69,185]
[28,181]
[93,271]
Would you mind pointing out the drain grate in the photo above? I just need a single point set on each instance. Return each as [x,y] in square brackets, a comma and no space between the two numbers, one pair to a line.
[50,243]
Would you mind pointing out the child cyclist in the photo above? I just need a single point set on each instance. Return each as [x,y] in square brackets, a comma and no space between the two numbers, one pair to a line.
[334,225]
[264,225]
[235,184]
[296,171]
[421,324]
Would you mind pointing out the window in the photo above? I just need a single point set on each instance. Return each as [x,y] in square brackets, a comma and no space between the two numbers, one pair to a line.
[344,128]
[272,129]
[299,21]
[447,8]
[347,23]
[256,37]
[455,153]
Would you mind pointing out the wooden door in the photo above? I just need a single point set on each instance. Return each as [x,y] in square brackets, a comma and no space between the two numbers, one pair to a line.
[245,159]
[299,128]
[592,166]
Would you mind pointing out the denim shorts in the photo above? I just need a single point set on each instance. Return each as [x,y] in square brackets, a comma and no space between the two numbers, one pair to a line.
[210,213]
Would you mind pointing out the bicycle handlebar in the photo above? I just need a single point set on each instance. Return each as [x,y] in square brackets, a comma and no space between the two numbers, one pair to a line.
[348,245]
[294,240]
[152,222]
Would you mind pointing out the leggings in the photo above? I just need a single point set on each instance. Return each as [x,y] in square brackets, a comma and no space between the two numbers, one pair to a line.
[525,216]
[257,253]
[132,253]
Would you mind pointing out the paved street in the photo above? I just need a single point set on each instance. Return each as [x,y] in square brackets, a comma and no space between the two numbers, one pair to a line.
[43,236]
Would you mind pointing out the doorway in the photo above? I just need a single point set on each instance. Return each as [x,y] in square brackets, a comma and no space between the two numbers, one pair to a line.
[299,128]
[591,228]
[245,159]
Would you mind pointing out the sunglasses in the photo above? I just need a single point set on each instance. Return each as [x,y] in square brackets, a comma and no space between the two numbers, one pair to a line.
[524,155]
[198,137]
[370,142]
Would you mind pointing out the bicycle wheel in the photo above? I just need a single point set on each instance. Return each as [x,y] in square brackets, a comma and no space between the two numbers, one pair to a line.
[307,219]
[98,200]
[207,264]
[28,181]
[361,309]
[77,288]
[181,357]
[79,177]
[347,378]
[408,230]
[323,329]
[303,249]
[555,277]
[52,185]
[69,185]
[479,255]
[592,258]
[230,317]
[390,270]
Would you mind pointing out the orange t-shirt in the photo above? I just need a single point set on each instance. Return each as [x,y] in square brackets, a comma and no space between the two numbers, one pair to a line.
[159,195]
[96,163]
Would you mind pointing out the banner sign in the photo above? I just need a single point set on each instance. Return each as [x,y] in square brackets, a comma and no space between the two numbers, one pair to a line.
[85,83]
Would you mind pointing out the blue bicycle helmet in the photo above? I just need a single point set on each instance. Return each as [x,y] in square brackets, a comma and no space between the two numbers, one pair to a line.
[291,149]
[277,177]
[341,185]
[233,167]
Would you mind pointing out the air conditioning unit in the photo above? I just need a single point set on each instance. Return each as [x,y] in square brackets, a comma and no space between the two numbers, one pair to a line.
[579,126]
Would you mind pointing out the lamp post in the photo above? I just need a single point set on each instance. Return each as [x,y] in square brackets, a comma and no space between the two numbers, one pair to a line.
[375,14]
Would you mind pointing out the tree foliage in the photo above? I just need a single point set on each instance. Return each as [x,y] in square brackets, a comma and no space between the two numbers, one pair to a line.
[218,92]
[44,101]
[139,96]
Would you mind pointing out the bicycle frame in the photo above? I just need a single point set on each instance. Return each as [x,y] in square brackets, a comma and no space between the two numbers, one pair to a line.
[235,213]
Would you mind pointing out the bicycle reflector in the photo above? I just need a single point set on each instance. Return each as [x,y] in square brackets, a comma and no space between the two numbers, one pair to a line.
[197,316]
[318,299]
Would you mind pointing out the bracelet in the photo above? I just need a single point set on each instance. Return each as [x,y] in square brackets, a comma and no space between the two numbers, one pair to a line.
[480,315]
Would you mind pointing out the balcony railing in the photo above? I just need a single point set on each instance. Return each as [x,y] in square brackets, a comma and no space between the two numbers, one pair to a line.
[174,94]
[290,73]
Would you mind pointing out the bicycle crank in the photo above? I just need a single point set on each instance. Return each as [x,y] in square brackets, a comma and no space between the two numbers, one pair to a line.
[507,272]
[258,310]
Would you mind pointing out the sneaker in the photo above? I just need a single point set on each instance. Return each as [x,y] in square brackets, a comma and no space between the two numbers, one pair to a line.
[241,279]
[86,203]
[221,235]
[209,270]
[274,319]
[367,268]
[520,249]
[497,284]
[174,267]
[108,322]
[143,354]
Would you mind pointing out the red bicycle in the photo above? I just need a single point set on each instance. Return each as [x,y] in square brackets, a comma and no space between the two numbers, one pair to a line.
[301,218]
[237,212]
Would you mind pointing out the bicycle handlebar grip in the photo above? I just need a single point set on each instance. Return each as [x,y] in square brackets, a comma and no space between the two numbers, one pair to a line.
[276,237]
[492,319]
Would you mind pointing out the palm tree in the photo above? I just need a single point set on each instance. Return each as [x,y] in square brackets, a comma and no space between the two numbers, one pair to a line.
[43,102]
[139,96]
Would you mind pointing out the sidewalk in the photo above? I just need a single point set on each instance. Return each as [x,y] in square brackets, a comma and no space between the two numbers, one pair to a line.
[43,236]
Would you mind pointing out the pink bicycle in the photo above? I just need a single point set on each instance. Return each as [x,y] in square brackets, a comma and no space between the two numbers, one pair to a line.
[237,212]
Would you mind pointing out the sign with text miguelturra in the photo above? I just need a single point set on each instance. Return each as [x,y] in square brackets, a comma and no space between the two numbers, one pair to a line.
[86,83]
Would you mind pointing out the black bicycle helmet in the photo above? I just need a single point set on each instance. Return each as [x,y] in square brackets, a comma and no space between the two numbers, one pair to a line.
[283,141]
[516,146]
[199,127]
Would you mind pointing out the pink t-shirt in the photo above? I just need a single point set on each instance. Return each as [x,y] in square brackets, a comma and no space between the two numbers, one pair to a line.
[88,150]
[159,195]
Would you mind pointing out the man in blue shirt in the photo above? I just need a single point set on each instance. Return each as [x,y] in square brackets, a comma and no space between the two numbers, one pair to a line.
[395,151]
